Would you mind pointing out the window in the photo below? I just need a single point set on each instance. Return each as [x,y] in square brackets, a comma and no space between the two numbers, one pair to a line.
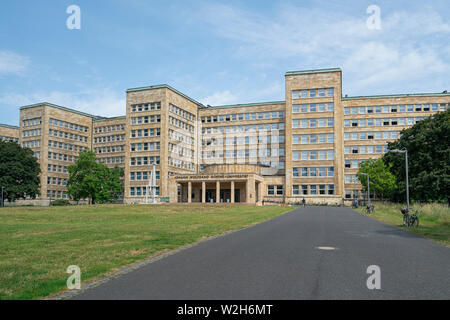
[271,190]
[295,189]
[295,94]
[304,189]
[330,92]
[295,108]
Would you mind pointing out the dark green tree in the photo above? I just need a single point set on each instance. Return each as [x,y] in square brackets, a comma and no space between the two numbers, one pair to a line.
[92,180]
[19,172]
[428,145]
[381,180]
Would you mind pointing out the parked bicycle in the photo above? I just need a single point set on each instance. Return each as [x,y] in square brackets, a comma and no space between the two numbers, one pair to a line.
[410,220]
[370,209]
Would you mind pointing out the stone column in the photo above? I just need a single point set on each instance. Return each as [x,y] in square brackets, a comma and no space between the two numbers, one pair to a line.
[189,192]
[218,192]
[251,191]
[232,191]
[203,192]
[260,192]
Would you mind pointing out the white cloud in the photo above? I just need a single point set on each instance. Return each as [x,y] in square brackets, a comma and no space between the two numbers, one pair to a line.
[220,98]
[103,102]
[11,62]
[410,46]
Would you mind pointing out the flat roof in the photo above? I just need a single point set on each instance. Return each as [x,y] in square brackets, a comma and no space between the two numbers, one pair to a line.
[166,86]
[59,107]
[398,96]
[8,126]
[112,118]
[290,73]
[245,105]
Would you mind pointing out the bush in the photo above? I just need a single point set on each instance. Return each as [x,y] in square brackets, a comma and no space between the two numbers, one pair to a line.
[60,202]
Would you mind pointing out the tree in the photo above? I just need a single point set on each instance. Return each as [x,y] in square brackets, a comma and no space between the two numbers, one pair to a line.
[92,180]
[19,171]
[382,181]
[428,145]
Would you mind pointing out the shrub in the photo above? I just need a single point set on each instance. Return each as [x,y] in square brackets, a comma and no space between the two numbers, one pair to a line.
[60,202]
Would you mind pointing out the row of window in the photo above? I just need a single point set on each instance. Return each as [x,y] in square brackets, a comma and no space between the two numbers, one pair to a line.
[32,122]
[305,172]
[109,149]
[245,128]
[379,122]
[144,161]
[56,194]
[31,133]
[396,108]
[312,155]
[146,119]
[56,168]
[280,165]
[67,135]
[352,164]
[142,191]
[244,116]
[181,112]
[313,189]
[57,181]
[151,106]
[312,93]
[139,133]
[275,139]
[313,138]
[181,124]
[114,138]
[313,107]
[6,139]
[351,178]
[68,125]
[365,149]
[146,146]
[61,157]
[244,153]
[31,144]
[143,175]
[275,190]
[112,160]
[181,164]
[175,135]
[112,128]
[66,146]
[386,135]
[180,150]
[313,123]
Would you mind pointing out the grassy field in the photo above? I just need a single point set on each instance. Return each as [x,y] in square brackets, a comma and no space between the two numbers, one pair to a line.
[434,219]
[38,244]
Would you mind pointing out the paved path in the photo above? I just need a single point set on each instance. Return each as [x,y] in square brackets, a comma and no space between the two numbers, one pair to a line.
[278,259]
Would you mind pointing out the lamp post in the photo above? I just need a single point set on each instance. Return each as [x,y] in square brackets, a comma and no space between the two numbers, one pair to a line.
[406,166]
[368,188]
[3,203]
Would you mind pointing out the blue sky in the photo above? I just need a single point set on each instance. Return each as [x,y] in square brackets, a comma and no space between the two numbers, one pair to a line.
[217,52]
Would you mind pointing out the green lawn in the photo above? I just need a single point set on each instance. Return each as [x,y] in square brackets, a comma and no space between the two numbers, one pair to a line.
[434,220]
[38,244]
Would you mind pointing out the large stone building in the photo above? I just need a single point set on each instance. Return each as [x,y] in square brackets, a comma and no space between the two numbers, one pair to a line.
[309,146]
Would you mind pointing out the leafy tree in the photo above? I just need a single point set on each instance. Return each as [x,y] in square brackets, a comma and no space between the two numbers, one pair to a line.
[428,145]
[19,171]
[381,180]
[92,180]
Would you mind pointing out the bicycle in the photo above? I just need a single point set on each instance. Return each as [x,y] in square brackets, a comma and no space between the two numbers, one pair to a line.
[410,220]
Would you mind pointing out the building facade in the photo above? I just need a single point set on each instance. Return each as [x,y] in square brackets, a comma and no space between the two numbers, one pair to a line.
[308,146]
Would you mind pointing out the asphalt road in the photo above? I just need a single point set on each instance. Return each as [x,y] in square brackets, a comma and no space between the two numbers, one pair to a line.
[279,259]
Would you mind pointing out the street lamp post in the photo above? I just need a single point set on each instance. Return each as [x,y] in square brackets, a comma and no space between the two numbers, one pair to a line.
[368,188]
[407,180]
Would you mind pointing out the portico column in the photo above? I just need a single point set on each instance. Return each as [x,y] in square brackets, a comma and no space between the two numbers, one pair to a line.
[203,192]
[189,192]
[260,192]
[218,192]
[232,191]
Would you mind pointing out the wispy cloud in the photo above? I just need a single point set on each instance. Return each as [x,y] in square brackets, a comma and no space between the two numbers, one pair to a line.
[409,47]
[102,102]
[220,98]
[12,63]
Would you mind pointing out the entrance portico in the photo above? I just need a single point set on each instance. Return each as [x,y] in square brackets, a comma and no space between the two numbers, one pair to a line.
[212,187]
